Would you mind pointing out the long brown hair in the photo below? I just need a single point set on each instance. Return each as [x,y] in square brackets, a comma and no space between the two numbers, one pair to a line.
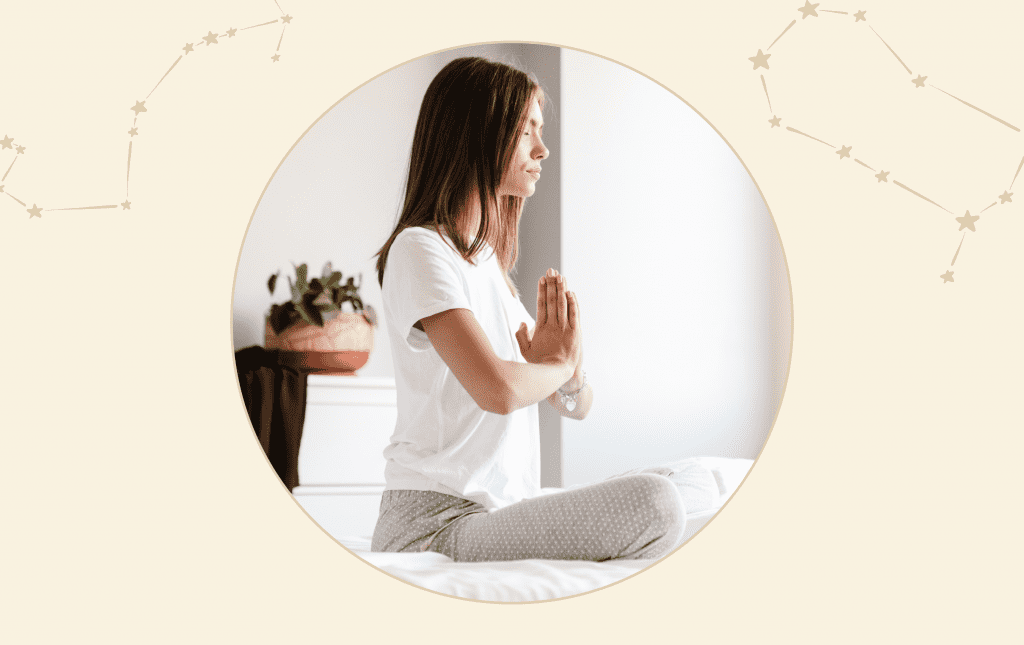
[466,133]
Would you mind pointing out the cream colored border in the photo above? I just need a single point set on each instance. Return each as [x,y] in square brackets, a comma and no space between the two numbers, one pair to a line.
[137,506]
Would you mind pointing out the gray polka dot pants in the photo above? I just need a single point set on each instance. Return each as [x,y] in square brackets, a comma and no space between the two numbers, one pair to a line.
[631,517]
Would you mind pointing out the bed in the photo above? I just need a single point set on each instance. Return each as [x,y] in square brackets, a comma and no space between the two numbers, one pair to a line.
[705,484]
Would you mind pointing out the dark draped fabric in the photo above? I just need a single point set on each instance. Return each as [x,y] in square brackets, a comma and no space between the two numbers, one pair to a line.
[275,397]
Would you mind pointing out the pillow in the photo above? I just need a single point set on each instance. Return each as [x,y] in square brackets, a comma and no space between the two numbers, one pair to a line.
[728,472]
[697,484]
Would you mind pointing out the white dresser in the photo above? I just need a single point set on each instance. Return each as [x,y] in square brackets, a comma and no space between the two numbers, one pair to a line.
[349,421]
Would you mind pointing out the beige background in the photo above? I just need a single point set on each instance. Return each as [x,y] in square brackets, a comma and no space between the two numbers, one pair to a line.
[138,508]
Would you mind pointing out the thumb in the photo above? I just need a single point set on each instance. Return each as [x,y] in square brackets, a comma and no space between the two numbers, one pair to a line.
[521,337]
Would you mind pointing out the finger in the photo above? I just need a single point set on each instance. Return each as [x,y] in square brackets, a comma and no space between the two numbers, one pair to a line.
[563,319]
[542,307]
[552,302]
[520,336]
[574,311]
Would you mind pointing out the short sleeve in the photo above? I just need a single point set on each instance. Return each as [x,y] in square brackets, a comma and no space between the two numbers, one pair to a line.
[422,278]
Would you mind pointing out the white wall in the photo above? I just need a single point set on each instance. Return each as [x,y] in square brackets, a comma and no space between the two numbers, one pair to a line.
[338,193]
[680,277]
[642,206]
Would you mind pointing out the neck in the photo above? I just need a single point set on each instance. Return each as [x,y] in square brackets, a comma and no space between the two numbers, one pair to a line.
[469,218]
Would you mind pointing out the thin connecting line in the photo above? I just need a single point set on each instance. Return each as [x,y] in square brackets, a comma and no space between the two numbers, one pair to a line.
[865,165]
[765,85]
[810,137]
[893,52]
[129,173]
[782,34]
[162,78]
[1012,127]
[259,25]
[958,249]
[907,188]
[81,208]
[1018,172]
[8,169]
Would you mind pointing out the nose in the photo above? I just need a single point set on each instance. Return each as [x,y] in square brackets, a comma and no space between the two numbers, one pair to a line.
[540,151]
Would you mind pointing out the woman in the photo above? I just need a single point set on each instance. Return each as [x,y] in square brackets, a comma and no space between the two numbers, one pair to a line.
[463,466]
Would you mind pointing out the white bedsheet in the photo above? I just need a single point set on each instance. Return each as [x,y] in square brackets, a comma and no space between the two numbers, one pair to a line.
[517,581]
[531,580]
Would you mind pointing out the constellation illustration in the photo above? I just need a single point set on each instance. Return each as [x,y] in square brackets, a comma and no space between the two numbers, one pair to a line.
[967,222]
[204,42]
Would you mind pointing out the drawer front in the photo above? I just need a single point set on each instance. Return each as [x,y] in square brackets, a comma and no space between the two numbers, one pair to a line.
[343,444]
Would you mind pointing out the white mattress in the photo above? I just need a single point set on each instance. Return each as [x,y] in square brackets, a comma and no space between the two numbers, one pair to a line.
[531,580]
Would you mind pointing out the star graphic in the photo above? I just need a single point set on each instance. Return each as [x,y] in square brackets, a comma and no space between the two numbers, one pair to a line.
[210,38]
[133,131]
[967,221]
[882,176]
[286,18]
[6,142]
[126,205]
[947,277]
[231,32]
[775,122]
[275,57]
[761,60]
[140,106]
[35,211]
[1005,197]
[21,150]
[860,16]
[844,152]
[187,48]
[919,81]
[808,9]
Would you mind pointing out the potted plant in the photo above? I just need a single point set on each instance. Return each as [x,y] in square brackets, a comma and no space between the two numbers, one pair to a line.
[311,330]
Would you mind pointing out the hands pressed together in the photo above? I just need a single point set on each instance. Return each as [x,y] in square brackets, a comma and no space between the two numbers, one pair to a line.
[557,337]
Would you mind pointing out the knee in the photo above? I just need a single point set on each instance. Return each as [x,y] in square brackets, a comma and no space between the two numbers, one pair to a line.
[664,503]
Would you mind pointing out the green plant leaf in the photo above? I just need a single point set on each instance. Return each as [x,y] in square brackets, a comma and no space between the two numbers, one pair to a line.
[310,314]
[282,316]
[315,288]
[334,279]
[296,294]
[300,277]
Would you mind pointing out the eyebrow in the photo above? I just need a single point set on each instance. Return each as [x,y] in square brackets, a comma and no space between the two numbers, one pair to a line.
[534,122]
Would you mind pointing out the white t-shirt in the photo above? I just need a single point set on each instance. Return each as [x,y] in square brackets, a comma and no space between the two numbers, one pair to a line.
[444,441]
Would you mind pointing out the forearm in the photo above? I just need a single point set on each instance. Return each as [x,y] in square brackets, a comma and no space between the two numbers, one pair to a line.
[529,383]
[584,400]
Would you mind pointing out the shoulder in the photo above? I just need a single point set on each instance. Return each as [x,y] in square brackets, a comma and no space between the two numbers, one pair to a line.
[419,238]
[417,235]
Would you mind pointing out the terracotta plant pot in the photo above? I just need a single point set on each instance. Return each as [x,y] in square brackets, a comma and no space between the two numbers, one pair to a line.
[341,346]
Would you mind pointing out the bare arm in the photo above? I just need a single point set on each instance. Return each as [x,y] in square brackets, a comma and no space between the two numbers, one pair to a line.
[497,385]
[584,400]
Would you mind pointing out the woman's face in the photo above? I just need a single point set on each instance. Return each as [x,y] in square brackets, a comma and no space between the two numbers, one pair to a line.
[524,168]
